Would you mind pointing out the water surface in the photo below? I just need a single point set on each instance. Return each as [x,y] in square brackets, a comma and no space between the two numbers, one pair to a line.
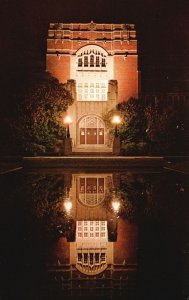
[67,234]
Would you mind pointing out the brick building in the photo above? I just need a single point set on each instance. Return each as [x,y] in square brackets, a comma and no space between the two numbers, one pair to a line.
[99,63]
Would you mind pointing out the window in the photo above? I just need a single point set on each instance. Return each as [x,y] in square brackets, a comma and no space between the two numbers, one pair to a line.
[95,91]
[93,229]
[79,257]
[97,258]
[97,61]
[103,257]
[92,61]
[85,61]
[103,62]
[91,258]
[85,258]
[80,62]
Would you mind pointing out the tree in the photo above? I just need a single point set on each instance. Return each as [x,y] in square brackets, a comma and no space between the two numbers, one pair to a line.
[39,124]
[132,130]
[151,128]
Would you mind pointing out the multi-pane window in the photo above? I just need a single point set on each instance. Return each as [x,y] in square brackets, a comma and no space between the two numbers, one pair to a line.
[92,260]
[91,229]
[103,62]
[85,61]
[95,91]
[91,61]
[97,61]
[103,256]
[85,258]
[79,257]
[80,62]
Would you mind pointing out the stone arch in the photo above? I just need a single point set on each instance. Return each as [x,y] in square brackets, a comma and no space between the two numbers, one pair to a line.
[91,47]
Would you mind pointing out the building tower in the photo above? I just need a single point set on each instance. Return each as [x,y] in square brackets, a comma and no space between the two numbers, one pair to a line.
[99,63]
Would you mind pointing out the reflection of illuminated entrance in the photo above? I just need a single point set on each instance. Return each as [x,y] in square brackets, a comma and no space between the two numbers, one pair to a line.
[91,190]
[91,130]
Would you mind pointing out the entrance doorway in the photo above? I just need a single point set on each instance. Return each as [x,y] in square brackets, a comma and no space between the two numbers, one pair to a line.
[91,131]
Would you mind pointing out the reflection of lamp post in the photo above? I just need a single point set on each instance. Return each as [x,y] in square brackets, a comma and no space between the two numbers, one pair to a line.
[67,121]
[67,202]
[116,202]
[116,120]
[67,142]
[116,205]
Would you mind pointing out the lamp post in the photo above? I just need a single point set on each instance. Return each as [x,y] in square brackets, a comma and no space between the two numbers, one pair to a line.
[67,121]
[68,141]
[116,120]
[68,205]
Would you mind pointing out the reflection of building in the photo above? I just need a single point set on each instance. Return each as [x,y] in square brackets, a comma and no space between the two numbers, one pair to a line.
[94,260]
[99,64]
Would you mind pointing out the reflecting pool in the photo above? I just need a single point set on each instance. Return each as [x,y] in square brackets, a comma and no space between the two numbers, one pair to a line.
[67,234]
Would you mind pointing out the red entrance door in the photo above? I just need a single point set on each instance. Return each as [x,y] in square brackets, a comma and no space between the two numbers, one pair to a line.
[92,136]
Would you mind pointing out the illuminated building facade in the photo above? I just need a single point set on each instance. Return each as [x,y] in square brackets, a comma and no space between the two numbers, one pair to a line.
[99,63]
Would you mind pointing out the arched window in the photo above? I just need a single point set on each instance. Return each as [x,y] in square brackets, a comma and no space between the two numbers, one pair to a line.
[92,61]
[92,58]
[97,61]
[85,61]
[80,62]
[103,62]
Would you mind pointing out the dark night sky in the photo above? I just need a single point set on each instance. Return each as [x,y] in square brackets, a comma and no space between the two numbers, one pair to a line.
[162,27]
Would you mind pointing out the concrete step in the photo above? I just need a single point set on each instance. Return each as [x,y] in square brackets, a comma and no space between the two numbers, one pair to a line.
[91,153]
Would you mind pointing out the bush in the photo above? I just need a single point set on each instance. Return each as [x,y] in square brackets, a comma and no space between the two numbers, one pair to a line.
[132,148]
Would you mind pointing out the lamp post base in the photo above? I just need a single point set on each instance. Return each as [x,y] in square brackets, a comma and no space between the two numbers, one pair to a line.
[116,146]
[67,146]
